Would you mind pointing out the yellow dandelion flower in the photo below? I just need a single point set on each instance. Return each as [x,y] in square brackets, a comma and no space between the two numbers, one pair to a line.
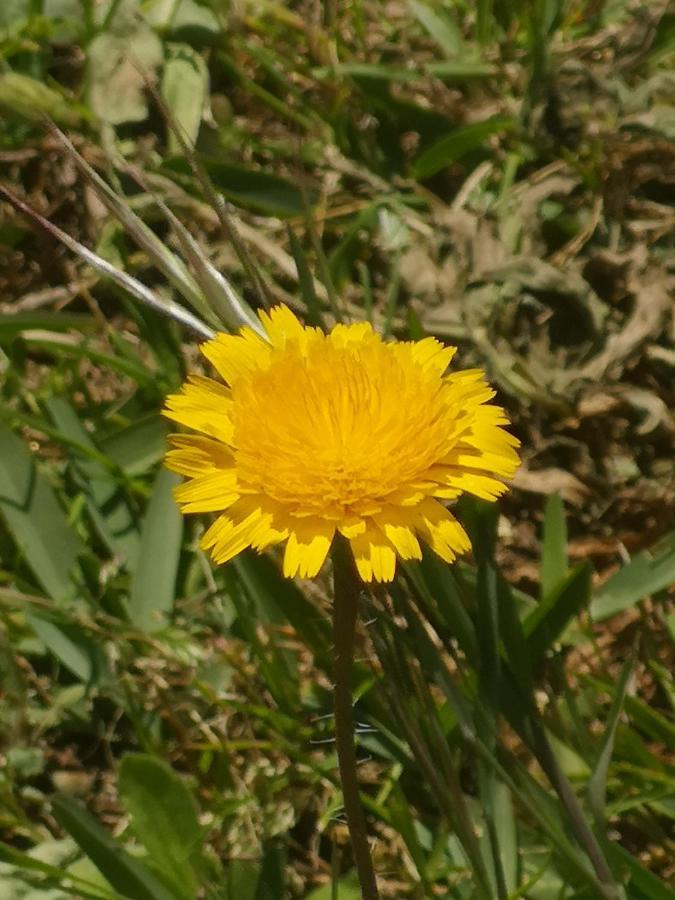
[316,433]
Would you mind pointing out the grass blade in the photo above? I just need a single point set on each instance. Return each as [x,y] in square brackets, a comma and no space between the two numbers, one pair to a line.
[554,551]
[35,519]
[457,144]
[126,875]
[153,586]
[164,817]
[131,285]
[548,620]
[647,573]
[597,783]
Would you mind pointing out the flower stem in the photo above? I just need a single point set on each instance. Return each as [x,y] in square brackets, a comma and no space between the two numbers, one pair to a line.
[346,586]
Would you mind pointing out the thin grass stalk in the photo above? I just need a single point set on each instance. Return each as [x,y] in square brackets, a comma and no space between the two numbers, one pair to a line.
[582,830]
[131,285]
[322,263]
[446,788]
[600,875]
[347,589]
[488,783]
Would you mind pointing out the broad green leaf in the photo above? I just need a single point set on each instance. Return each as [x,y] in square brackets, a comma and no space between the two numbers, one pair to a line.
[154,582]
[138,446]
[513,638]
[75,346]
[652,722]
[487,631]
[278,665]
[69,644]
[457,144]
[164,817]
[35,518]
[544,625]
[127,875]
[554,550]
[258,190]
[112,516]
[403,820]
[655,725]
[184,87]
[195,22]
[29,865]
[647,573]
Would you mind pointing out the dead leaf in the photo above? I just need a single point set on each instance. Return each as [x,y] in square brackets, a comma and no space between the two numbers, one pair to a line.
[653,300]
[552,481]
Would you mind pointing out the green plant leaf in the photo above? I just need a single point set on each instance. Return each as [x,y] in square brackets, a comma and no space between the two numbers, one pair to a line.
[647,573]
[242,879]
[280,600]
[127,875]
[440,27]
[597,783]
[435,583]
[554,550]
[164,817]
[507,832]
[457,144]
[35,518]
[54,875]
[114,519]
[549,618]
[305,282]
[271,881]
[346,889]
[71,645]
[31,99]
[650,887]
[138,446]
[13,324]
[262,191]
[153,586]
[461,69]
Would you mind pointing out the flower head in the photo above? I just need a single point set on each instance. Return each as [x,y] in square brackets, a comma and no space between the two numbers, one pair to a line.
[315,433]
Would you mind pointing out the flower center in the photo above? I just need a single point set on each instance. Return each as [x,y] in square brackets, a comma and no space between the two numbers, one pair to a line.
[336,431]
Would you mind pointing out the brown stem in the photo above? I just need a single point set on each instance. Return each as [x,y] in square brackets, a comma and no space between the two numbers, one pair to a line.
[346,585]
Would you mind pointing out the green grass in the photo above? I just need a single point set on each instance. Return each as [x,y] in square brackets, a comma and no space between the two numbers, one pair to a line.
[165,726]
